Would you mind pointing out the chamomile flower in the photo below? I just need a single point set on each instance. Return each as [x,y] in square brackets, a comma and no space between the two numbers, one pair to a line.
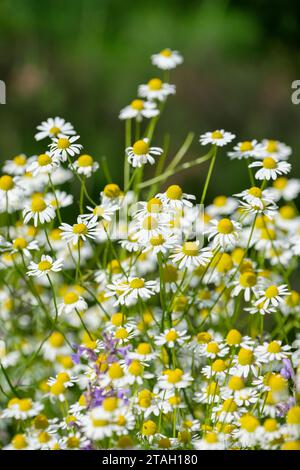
[52,127]
[273,351]
[272,295]
[55,346]
[21,409]
[257,197]
[221,205]
[85,165]
[224,233]
[174,379]
[288,189]
[64,146]
[270,168]
[171,337]
[167,59]
[72,302]
[210,441]
[247,283]
[44,163]
[82,230]
[189,255]
[218,137]
[274,149]
[22,245]
[139,109]
[175,198]
[141,153]
[16,166]
[45,266]
[245,149]
[38,210]
[136,288]
[156,89]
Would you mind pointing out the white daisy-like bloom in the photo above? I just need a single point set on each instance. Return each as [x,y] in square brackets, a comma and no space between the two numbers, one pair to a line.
[85,165]
[260,308]
[82,230]
[274,149]
[72,302]
[175,198]
[60,199]
[135,371]
[16,166]
[245,363]
[45,266]
[270,168]
[148,227]
[21,409]
[52,127]
[55,346]
[244,396]
[167,59]
[174,379]
[257,197]
[22,245]
[190,255]
[245,149]
[62,146]
[138,109]
[210,441]
[141,153]
[61,175]
[221,205]
[161,244]
[288,189]
[136,288]
[43,164]
[143,352]
[171,338]
[11,194]
[213,349]
[224,233]
[156,89]
[249,432]
[268,209]
[95,427]
[101,212]
[218,137]
[272,295]
[246,283]
[273,351]
[210,393]
[38,210]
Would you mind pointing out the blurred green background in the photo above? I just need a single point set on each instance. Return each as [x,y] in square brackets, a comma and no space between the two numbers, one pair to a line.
[83,59]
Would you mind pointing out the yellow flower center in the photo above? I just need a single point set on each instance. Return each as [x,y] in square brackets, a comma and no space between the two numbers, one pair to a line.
[166,52]
[44,159]
[249,423]
[20,243]
[291,445]
[110,404]
[57,388]
[155,84]
[138,105]
[213,389]
[63,377]
[6,183]
[112,190]
[248,279]
[220,201]
[271,291]
[118,318]
[149,428]
[274,347]
[140,147]
[54,130]
[38,204]
[280,183]
[44,265]
[80,229]
[150,223]
[287,212]
[234,337]
[236,383]
[245,357]
[56,339]
[270,425]
[19,441]
[212,348]
[190,249]
[40,422]
[143,348]
[219,365]
[85,160]
[121,333]
[229,405]
[154,205]
[174,192]
[272,146]
[204,337]
[70,298]
[255,191]
[115,371]
[293,416]
[157,240]
[97,423]
[211,437]
[225,226]
[246,146]
[25,404]
[63,143]
[269,163]
[137,283]
[171,335]
[73,442]
[174,376]
[135,368]
[19,160]
[217,135]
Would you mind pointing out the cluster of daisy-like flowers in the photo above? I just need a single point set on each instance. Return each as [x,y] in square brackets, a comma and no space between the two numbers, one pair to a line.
[142,319]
